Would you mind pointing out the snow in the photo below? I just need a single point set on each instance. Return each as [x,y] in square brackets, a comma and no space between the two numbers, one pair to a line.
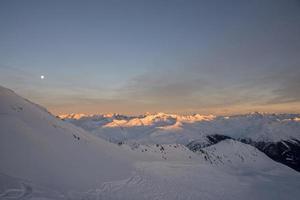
[234,154]
[170,128]
[35,145]
[74,116]
[43,157]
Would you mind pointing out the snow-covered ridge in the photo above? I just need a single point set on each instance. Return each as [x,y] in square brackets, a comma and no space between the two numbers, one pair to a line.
[73,116]
[77,116]
[159,119]
[142,120]
[235,153]
[255,126]
[152,117]
[277,135]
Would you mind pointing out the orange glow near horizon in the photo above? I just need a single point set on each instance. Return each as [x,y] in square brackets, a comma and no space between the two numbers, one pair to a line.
[140,109]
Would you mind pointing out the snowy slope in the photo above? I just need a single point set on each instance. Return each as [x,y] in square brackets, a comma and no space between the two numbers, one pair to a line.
[234,154]
[43,157]
[35,145]
[227,170]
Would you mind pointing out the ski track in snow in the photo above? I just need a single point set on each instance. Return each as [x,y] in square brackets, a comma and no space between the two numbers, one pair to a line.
[21,194]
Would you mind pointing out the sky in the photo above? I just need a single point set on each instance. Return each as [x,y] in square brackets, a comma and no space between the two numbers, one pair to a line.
[131,57]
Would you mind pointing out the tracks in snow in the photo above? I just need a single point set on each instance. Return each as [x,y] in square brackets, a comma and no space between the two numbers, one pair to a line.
[21,194]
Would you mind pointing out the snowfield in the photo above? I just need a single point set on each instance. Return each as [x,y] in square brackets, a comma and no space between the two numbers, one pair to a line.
[43,158]
[37,146]
[277,135]
[170,128]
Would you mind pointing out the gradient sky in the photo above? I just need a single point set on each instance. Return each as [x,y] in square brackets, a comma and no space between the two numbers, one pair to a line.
[219,57]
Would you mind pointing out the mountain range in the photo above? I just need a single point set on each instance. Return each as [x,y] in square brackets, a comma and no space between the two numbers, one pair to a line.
[276,135]
[153,156]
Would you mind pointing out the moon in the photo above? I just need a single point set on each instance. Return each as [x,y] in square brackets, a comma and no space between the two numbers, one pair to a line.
[42,77]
